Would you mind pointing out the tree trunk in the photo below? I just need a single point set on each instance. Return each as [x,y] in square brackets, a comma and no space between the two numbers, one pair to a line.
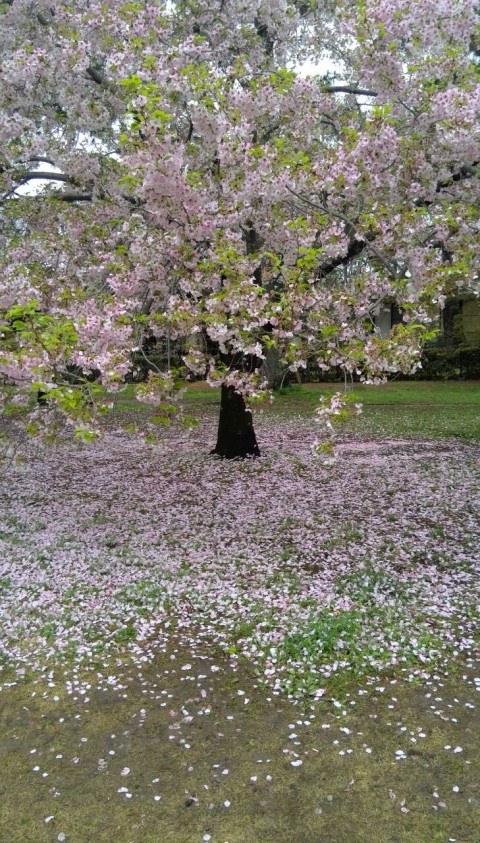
[236,436]
[272,369]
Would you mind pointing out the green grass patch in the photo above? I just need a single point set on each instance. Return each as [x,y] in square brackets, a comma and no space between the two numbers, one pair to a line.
[367,585]
[324,637]
[416,409]
[394,392]
[410,409]
[125,635]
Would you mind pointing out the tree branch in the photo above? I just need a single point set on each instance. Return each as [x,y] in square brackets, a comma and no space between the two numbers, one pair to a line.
[468,171]
[39,175]
[349,89]
[355,248]
[45,175]
[262,31]
[91,71]
[72,197]
[353,251]
[39,159]
[98,77]
[95,74]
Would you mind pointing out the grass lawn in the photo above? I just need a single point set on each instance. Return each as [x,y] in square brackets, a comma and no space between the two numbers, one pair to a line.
[269,650]
[421,409]
[431,409]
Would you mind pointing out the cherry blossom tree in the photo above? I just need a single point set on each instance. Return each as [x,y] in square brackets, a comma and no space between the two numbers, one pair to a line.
[247,179]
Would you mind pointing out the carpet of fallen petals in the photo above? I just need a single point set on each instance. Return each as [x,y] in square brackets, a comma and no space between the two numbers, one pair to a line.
[307,571]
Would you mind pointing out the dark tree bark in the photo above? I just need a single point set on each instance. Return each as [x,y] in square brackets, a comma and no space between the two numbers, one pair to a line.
[236,437]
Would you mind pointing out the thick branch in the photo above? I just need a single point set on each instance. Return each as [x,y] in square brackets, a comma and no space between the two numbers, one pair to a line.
[355,248]
[262,31]
[39,175]
[72,197]
[468,171]
[45,176]
[98,77]
[63,197]
[349,89]
[95,74]
[40,159]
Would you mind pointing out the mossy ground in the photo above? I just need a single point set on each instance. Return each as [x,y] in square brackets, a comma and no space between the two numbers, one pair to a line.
[182,730]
